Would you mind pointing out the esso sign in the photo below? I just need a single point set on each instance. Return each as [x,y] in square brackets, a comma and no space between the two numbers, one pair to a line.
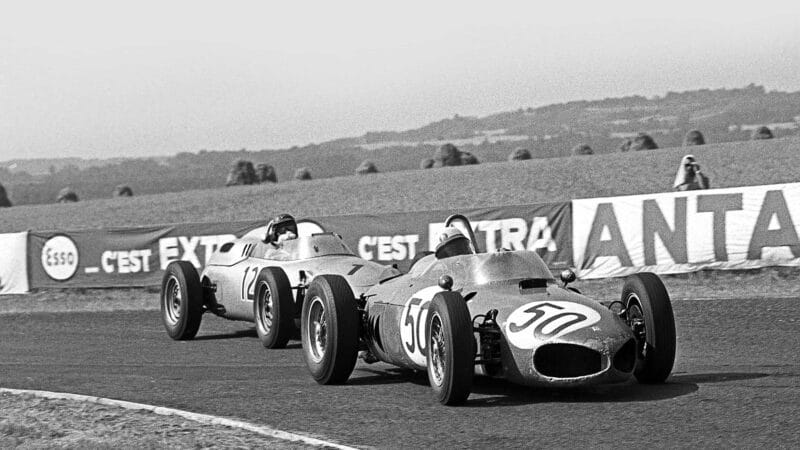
[60,258]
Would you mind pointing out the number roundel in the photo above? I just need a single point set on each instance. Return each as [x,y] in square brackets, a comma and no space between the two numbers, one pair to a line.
[535,322]
[412,325]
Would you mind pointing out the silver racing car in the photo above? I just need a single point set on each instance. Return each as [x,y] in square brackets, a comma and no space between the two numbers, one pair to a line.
[262,280]
[459,312]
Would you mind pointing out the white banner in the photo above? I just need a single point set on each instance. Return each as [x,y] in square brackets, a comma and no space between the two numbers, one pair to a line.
[736,228]
[13,263]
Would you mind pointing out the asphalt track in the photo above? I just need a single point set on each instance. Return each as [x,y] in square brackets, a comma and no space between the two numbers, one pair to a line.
[736,383]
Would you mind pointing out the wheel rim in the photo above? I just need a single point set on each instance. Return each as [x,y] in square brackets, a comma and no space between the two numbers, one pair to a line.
[265,308]
[317,333]
[173,298]
[635,319]
[437,350]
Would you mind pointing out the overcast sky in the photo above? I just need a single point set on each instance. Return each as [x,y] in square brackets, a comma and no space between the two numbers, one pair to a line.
[142,78]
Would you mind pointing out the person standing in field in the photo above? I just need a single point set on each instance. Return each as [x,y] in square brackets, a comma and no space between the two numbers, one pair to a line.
[689,176]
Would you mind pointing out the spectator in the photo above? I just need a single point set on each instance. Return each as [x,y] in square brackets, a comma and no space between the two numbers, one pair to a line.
[689,177]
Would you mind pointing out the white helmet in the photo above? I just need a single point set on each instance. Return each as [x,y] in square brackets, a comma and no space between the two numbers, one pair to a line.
[452,242]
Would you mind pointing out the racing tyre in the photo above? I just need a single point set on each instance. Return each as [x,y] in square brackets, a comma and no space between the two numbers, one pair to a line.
[451,351]
[649,313]
[181,300]
[329,329]
[273,307]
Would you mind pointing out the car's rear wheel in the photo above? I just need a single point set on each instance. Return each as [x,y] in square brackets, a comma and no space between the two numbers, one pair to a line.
[273,308]
[329,329]
[181,300]
[451,349]
[649,314]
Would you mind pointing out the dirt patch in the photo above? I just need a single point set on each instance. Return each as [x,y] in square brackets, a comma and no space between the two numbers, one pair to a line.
[32,422]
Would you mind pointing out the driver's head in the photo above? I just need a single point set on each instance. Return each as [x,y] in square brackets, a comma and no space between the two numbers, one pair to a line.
[281,228]
[452,242]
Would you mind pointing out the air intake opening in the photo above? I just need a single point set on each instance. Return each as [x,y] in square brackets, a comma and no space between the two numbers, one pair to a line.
[566,361]
[625,358]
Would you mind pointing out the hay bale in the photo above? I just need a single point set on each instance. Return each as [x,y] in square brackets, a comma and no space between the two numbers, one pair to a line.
[520,154]
[693,137]
[426,163]
[266,173]
[643,141]
[761,132]
[366,167]
[302,174]
[468,159]
[447,155]
[4,201]
[123,190]
[66,195]
[242,172]
[582,149]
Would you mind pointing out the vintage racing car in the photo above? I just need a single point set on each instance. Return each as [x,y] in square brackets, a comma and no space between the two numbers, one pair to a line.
[498,314]
[254,279]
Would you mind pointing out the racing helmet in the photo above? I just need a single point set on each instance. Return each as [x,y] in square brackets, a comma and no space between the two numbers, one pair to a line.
[280,224]
[452,242]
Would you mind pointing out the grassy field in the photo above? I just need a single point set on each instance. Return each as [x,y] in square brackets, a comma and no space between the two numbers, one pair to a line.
[454,188]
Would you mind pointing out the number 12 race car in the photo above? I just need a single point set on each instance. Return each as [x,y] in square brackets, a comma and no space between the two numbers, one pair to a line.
[497,314]
[262,281]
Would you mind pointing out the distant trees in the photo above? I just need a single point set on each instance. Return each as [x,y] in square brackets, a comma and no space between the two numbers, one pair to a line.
[693,137]
[123,190]
[66,195]
[266,173]
[582,149]
[447,155]
[4,201]
[302,174]
[519,154]
[761,132]
[366,167]
[242,172]
[642,141]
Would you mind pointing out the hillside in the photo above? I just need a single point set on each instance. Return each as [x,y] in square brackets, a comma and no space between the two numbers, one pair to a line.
[453,188]
[722,115]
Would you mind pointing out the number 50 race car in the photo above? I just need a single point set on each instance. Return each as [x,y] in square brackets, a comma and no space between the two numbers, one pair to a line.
[258,280]
[498,314]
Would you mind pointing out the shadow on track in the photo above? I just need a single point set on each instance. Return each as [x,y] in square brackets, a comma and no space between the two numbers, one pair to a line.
[251,333]
[702,378]
[504,393]
[393,375]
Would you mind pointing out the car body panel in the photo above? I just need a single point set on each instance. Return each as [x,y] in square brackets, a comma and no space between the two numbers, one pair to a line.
[533,312]
[234,268]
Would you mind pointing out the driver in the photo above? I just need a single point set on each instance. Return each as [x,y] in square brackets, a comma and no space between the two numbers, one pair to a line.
[281,228]
[452,242]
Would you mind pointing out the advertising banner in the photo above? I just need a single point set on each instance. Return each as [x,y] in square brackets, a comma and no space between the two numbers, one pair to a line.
[126,257]
[122,257]
[736,228]
[398,238]
[13,263]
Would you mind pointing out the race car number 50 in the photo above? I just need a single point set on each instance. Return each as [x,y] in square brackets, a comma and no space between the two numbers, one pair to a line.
[535,322]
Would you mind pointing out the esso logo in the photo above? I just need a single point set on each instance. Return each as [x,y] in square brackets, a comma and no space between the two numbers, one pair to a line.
[535,322]
[60,258]
[412,325]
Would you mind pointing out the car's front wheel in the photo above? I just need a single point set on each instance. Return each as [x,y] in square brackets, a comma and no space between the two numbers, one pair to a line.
[451,348]
[648,311]
[273,307]
[329,329]
[181,300]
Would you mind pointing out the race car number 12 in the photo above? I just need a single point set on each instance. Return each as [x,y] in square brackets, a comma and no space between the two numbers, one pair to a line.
[248,292]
